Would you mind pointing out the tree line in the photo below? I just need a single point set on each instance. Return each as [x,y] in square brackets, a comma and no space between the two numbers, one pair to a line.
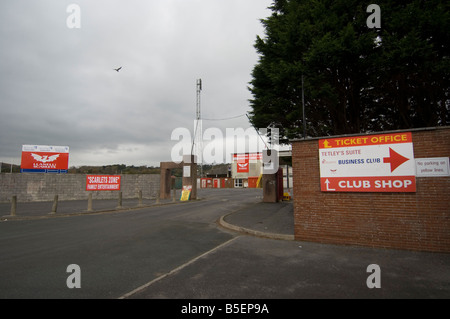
[319,58]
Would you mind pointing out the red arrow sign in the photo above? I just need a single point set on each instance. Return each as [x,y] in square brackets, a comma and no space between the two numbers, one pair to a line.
[395,159]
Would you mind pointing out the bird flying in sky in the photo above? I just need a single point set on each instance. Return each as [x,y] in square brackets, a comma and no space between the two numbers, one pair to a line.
[118,69]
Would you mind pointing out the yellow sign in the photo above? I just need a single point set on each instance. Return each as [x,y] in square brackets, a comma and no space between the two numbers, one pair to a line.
[186,193]
[258,182]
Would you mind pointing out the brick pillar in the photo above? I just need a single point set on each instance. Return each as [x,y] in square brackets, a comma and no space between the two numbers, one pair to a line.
[270,190]
[165,182]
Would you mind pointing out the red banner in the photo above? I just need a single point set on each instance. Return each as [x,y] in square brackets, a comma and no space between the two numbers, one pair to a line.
[41,157]
[251,156]
[355,141]
[369,184]
[103,183]
[242,163]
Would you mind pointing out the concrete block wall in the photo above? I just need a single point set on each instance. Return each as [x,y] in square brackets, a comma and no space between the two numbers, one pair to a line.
[43,187]
[412,221]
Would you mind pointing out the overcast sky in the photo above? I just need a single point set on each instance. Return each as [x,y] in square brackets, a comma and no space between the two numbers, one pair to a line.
[58,86]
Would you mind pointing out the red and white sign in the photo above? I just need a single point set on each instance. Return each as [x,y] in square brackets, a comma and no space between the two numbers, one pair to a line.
[44,157]
[242,163]
[250,156]
[103,182]
[369,163]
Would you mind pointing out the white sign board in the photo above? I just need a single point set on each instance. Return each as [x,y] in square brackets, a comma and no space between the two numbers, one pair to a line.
[368,163]
[432,167]
[186,171]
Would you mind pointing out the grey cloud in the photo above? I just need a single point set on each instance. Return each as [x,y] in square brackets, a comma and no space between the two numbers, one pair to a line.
[58,86]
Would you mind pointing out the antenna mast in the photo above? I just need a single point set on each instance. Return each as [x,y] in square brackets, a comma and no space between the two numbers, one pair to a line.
[198,138]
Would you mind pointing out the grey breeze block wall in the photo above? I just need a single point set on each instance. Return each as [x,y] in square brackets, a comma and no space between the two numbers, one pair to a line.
[43,187]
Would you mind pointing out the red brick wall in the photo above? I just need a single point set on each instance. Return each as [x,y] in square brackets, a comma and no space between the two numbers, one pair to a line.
[413,221]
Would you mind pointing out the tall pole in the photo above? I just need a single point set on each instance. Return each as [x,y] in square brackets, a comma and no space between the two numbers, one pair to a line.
[198,138]
[199,89]
[303,106]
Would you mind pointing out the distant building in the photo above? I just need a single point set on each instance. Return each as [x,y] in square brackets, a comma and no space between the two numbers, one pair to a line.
[246,168]
[218,172]
[245,171]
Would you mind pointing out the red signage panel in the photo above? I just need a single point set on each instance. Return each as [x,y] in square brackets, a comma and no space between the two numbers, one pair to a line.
[242,163]
[369,184]
[103,182]
[43,157]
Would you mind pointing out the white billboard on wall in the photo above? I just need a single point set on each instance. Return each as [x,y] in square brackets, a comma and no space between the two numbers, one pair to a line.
[368,163]
[432,167]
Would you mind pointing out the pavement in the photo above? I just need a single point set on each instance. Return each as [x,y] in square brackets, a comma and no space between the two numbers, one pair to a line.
[268,220]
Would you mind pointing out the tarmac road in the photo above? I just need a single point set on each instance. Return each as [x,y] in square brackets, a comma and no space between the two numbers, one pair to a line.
[179,251]
[116,251]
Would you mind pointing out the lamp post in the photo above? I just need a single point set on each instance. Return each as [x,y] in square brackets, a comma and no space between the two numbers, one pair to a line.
[303,106]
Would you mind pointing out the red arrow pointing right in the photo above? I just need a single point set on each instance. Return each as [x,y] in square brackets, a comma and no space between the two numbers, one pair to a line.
[395,159]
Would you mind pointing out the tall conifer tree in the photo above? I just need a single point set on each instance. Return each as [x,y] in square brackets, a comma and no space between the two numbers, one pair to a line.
[356,78]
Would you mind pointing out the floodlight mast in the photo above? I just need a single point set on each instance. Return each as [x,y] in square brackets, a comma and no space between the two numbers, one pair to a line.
[198,134]
[199,89]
